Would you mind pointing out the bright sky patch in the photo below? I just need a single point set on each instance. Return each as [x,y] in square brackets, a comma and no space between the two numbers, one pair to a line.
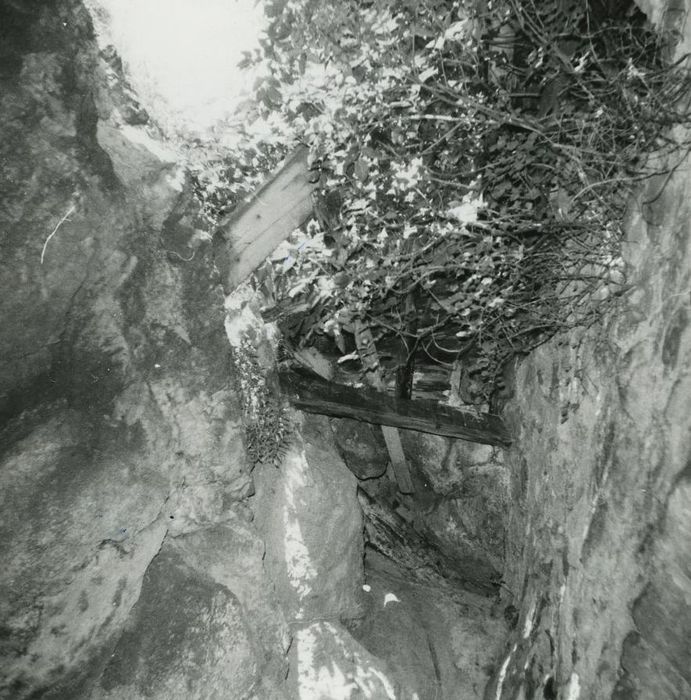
[183,56]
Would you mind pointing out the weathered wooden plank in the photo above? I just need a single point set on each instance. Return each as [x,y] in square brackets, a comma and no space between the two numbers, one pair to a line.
[370,361]
[250,234]
[399,464]
[315,395]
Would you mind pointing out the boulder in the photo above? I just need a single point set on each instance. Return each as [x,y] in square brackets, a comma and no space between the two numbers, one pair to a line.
[362,447]
[310,519]
[186,637]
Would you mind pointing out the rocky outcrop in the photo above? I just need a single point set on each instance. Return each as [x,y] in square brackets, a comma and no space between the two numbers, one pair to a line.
[454,522]
[307,513]
[438,639]
[120,424]
[311,522]
[187,636]
[132,566]
[598,561]
[461,502]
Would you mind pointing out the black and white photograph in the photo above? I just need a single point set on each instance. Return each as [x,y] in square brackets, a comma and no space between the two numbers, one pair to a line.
[345,350]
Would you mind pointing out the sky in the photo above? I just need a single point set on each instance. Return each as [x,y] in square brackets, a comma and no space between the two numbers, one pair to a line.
[185,53]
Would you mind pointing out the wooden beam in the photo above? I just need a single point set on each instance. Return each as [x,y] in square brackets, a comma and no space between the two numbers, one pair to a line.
[369,357]
[251,233]
[315,395]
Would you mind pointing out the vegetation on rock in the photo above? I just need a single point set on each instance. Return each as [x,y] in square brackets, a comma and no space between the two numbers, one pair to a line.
[475,162]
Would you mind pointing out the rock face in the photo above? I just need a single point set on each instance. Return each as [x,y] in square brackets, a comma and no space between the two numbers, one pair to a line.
[438,639]
[308,515]
[186,637]
[119,420]
[598,555]
[461,498]
[296,507]
[130,564]
[454,523]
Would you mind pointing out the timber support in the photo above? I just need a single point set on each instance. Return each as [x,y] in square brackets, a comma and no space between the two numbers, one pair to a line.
[316,395]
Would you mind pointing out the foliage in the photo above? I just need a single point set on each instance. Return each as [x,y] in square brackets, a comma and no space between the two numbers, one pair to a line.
[226,173]
[268,428]
[476,161]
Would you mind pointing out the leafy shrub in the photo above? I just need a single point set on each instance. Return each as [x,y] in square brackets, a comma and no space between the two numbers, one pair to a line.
[476,160]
